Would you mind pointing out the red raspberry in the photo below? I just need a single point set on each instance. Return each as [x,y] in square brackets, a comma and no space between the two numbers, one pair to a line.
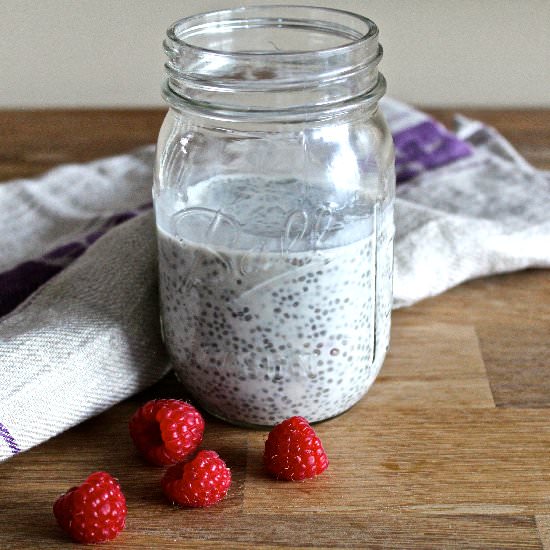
[166,431]
[94,511]
[203,481]
[293,451]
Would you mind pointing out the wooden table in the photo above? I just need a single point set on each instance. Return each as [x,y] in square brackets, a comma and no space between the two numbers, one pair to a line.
[451,447]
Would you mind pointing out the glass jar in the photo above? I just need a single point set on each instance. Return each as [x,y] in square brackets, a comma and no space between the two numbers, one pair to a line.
[274,190]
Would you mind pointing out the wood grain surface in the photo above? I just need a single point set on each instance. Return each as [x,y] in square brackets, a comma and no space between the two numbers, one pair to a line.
[449,449]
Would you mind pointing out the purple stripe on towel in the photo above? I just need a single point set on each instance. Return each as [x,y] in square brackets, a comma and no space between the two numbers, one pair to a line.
[426,146]
[7,437]
[21,281]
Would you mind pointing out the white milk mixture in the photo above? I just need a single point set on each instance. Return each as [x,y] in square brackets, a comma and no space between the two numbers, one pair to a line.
[275,302]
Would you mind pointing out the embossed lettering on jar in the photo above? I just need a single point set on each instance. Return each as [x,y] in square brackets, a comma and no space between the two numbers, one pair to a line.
[274,189]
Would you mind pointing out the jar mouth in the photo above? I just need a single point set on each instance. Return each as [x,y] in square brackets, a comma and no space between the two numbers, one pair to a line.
[185,31]
[272,59]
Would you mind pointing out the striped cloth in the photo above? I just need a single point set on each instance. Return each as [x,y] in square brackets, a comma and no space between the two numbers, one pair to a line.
[79,327]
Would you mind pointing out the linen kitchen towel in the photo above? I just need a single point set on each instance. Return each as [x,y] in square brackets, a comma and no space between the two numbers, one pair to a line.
[79,327]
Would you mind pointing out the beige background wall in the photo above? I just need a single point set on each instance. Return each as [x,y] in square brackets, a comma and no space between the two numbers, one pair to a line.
[438,52]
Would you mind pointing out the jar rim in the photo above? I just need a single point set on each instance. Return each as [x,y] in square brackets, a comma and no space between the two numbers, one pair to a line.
[200,20]
[237,60]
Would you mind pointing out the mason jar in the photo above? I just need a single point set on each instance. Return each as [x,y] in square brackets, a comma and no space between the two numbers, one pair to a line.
[274,190]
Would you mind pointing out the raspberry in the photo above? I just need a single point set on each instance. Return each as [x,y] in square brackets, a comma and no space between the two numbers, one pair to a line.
[94,511]
[203,481]
[166,431]
[293,451]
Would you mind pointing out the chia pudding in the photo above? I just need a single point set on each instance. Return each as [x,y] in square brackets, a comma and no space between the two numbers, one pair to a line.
[274,303]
